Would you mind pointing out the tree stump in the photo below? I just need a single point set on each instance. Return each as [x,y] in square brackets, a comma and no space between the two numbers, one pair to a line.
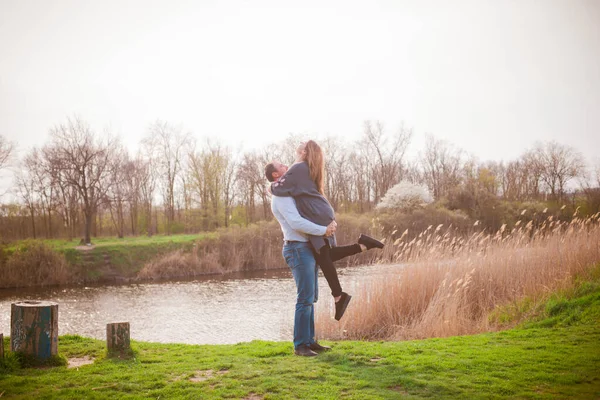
[117,337]
[1,345]
[34,328]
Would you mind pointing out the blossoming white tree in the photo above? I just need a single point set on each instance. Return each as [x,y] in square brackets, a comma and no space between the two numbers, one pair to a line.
[406,196]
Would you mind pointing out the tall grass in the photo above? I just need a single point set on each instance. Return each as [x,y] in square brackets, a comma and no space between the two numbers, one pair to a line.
[33,263]
[255,247]
[450,283]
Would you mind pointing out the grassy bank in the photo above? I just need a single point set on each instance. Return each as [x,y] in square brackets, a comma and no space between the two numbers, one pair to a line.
[554,354]
[234,249]
[55,262]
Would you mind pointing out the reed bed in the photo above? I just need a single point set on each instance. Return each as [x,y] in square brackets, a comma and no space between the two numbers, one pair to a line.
[448,284]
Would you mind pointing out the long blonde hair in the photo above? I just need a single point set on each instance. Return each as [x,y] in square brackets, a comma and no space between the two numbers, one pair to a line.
[316,164]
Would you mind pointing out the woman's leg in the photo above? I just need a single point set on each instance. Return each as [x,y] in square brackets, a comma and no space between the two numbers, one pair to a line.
[338,252]
[325,261]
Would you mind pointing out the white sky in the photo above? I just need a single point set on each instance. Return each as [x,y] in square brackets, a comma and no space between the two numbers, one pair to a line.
[492,77]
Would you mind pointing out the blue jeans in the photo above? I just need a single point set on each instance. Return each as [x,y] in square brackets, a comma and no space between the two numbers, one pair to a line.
[299,257]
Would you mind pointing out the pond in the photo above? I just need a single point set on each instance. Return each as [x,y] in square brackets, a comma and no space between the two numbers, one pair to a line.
[217,309]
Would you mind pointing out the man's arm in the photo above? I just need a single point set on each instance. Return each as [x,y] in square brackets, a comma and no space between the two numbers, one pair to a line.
[287,207]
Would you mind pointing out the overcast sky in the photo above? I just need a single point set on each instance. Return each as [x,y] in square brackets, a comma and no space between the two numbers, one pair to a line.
[491,77]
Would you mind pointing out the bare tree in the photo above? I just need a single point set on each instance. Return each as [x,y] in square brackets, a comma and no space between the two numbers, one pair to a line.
[133,176]
[167,145]
[510,184]
[118,195]
[360,166]
[388,164]
[335,158]
[558,164]
[6,150]
[39,170]
[66,197]
[285,151]
[414,174]
[84,161]
[26,189]
[253,184]
[147,181]
[205,168]
[441,164]
[212,171]
[229,185]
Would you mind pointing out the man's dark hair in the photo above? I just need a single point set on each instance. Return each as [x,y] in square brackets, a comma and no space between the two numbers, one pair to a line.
[269,169]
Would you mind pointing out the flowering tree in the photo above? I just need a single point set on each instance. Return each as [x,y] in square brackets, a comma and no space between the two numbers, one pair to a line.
[405,196]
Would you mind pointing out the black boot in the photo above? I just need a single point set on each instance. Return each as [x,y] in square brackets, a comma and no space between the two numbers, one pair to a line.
[341,305]
[369,242]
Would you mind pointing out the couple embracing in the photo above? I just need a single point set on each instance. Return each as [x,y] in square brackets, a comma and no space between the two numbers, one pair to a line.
[308,224]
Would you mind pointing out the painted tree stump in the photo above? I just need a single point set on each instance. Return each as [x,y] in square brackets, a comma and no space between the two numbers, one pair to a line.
[117,337]
[34,328]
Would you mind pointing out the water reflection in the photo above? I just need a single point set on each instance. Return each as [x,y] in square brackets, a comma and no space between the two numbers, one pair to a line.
[212,310]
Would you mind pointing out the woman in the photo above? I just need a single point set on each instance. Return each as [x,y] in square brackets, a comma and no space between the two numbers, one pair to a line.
[304,181]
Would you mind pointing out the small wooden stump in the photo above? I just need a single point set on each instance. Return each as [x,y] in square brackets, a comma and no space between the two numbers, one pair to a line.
[34,328]
[117,337]
[1,345]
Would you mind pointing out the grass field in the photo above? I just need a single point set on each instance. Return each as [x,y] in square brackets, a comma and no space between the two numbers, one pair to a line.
[554,354]
[113,242]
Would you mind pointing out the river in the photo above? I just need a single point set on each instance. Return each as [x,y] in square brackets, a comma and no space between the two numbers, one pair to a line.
[217,309]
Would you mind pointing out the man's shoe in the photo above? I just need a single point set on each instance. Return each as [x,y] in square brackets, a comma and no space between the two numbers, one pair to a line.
[316,347]
[341,305]
[369,242]
[304,351]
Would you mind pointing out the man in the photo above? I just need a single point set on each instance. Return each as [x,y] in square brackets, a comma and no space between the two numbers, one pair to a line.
[298,255]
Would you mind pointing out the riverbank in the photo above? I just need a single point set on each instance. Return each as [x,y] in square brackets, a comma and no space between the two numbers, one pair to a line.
[142,258]
[554,354]
[61,262]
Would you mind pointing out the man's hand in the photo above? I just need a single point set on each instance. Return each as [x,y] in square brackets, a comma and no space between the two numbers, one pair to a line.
[331,228]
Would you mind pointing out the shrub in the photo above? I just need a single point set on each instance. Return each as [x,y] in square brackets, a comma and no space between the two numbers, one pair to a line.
[34,263]
[405,196]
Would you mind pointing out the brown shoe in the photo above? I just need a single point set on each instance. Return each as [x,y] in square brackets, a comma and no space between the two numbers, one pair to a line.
[316,347]
[304,351]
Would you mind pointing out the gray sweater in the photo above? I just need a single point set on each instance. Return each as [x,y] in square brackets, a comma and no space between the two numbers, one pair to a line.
[311,204]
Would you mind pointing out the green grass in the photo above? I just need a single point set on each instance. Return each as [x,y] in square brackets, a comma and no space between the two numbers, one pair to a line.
[113,242]
[554,355]
[555,308]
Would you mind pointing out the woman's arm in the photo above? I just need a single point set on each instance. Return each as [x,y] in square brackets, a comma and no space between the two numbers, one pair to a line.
[295,182]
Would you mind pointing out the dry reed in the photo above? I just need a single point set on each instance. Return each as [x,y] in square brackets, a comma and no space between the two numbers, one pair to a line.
[34,264]
[448,284]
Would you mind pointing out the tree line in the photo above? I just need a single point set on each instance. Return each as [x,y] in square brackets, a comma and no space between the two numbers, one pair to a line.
[82,183]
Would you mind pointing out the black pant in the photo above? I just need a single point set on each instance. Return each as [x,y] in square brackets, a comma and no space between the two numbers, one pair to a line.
[327,256]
